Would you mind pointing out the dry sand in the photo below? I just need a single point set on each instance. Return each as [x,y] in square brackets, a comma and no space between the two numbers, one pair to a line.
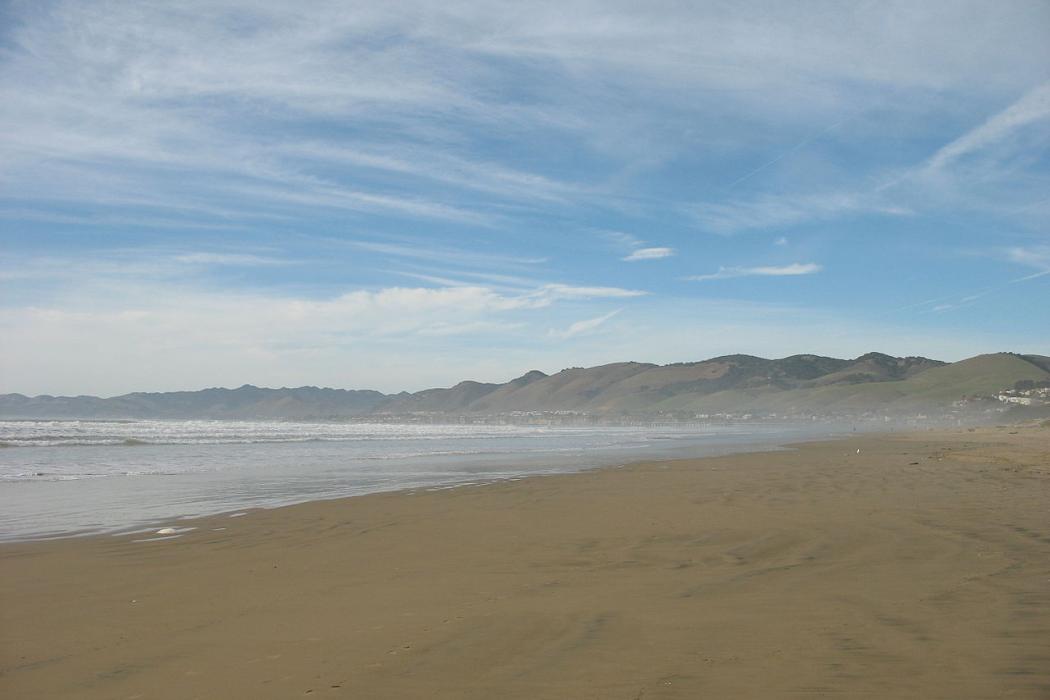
[918,568]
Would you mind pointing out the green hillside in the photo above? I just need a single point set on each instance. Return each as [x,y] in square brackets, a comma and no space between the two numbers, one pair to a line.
[932,388]
[799,384]
[984,374]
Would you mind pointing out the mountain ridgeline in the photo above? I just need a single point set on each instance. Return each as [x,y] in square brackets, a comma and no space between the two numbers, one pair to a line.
[792,386]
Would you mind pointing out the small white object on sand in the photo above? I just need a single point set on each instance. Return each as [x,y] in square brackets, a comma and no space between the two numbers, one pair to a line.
[166,531]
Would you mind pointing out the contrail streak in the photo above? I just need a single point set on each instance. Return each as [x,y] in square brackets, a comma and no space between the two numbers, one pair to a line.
[801,144]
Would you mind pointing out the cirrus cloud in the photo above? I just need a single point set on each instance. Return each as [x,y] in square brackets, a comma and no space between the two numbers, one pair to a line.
[585,326]
[649,254]
[792,270]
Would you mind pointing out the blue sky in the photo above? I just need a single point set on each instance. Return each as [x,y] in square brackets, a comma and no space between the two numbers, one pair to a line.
[402,195]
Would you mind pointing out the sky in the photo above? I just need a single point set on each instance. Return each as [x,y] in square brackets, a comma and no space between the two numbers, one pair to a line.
[404,195]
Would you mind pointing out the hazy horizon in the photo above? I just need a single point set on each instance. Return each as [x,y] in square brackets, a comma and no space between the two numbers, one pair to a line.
[497,380]
[404,196]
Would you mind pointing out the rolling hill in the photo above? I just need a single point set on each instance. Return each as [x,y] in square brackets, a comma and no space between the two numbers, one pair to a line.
[796,385]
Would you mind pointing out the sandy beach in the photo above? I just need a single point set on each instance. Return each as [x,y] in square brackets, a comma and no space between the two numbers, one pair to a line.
[902,566]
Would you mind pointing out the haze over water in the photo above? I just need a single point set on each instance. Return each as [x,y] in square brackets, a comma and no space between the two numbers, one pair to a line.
[62,477]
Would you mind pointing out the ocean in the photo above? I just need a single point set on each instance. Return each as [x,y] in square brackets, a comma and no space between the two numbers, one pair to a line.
[69,477]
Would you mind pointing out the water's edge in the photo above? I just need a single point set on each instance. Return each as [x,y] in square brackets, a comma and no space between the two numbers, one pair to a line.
[293,474]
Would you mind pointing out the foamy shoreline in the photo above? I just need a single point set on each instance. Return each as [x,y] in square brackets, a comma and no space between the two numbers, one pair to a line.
[48,492]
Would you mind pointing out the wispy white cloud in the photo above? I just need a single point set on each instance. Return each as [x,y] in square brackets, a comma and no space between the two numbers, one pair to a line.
[1037,257]
[445,277]
[977,170]
[206,87]
[621,239]
[119,268]
[425,251]
[705,46]
[990,185]
[231,259]
[792,270]
[774,211]
[1032,256]
[120,265]
[634,247]
[583,327]
[649,254]
[315,193]
[155,222]
[1032,107]
[992,168]
[786,153]
[184,317]
[565,291]
[125,326]
[441,167]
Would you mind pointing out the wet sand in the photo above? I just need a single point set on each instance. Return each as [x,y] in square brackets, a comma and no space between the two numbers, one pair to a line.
[917,568]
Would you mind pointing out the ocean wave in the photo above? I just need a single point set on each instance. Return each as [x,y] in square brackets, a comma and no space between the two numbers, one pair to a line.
[48,476]
[38,476]
[158,432]
[70,442]
[122,441]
